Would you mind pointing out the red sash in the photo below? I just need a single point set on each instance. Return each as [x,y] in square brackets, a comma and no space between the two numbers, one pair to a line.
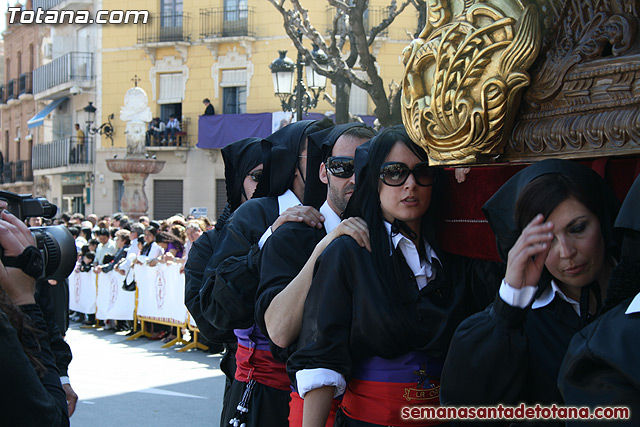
[383,402]
[296,406]
[261,366]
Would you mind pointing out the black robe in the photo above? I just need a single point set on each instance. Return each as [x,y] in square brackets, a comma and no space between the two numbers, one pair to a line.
[282,257]
[350,315]
[227,296]
[30,400]
[509,355]
[199,256]
[227,300]
[601,366]
[44,297]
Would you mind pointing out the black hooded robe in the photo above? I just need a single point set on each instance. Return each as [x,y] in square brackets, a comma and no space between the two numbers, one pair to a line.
[351,315]
[601,365]
[227,297]
[239,158]
[511,355]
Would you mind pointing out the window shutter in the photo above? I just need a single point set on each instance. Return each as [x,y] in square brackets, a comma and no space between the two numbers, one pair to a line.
[167,198]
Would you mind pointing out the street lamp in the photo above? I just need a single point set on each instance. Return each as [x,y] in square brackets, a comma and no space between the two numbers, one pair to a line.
[105,129]
[301,98]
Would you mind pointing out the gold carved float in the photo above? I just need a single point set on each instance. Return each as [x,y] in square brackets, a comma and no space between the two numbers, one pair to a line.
[464,74]
[579,61]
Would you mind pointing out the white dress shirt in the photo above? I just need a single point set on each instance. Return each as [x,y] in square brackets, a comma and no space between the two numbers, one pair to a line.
[286,200]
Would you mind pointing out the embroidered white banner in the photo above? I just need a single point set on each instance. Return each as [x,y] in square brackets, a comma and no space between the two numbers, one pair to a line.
[113,302]
[82,292]
[161,293]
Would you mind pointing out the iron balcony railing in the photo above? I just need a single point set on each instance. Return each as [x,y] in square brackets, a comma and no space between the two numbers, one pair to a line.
[223,22]
[73,66]
[166,27]
[11,90]
[46,4]
[18,171]
[63,152]
[25,84]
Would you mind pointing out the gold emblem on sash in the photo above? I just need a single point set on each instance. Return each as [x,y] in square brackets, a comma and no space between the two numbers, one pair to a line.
[422,393]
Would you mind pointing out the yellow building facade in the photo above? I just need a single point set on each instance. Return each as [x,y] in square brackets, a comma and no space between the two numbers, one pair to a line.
[196,49]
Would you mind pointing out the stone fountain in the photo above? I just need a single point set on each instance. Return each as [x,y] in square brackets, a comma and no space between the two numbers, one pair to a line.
[135,167]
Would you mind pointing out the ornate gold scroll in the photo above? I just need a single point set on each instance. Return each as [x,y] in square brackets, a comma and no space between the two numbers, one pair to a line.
[584,98]
[464,74]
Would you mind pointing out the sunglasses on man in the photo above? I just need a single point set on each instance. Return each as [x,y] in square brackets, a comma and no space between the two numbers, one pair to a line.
[395,174]
[340,166]
[255,175]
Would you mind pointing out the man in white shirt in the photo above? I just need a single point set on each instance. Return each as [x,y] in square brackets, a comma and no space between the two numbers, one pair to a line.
[106,246]
[173,127]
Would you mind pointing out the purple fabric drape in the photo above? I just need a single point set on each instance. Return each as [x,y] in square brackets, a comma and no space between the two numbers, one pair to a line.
[222,129]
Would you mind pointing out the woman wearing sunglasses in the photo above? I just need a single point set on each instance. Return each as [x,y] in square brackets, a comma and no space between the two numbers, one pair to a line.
[377,325]
[554,225]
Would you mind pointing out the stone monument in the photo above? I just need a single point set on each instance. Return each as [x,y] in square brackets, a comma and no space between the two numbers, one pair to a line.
[135,167]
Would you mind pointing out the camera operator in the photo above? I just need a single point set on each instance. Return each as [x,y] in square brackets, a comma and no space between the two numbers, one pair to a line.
[27,365]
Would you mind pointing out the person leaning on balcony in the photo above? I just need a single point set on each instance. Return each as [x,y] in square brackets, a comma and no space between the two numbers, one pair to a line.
[173,127]
[79,144]
[209,110]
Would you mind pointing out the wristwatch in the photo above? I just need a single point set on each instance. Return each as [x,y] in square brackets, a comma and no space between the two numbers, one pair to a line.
[30,261]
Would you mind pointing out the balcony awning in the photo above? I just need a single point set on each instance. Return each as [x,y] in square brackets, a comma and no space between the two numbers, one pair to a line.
[38,119]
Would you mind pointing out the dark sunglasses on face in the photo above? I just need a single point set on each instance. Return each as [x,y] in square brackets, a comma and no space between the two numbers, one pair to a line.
[340,166]
[395,174]
[255,175]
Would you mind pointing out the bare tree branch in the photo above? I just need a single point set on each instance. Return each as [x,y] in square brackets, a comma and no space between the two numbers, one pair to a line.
[347,25]
[393,12]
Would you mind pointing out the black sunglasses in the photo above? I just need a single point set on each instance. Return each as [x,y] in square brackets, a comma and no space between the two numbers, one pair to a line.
[340,166]
[255,175]
[395,174]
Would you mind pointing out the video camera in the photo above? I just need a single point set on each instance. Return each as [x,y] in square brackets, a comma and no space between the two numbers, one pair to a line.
[55,243]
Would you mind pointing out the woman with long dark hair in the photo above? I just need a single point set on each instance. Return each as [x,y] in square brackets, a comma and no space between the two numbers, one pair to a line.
[554,225]
[34,394]
[378,324]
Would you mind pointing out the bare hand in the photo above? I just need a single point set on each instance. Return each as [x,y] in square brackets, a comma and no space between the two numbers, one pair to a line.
[98,269]
[526,258]
[14,238]
[307,214]
[354,227]
[461,174]
[72,398]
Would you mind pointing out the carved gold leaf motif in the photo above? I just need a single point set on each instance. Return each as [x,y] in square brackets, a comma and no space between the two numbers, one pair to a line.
[463,77]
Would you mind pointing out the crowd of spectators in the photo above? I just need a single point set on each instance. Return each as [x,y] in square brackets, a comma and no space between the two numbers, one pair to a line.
[113,243]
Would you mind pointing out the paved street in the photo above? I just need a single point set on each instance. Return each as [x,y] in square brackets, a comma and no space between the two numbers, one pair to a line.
[136,383]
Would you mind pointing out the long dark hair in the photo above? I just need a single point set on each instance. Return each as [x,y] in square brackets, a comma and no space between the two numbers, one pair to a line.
[365,201]
[21,323]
